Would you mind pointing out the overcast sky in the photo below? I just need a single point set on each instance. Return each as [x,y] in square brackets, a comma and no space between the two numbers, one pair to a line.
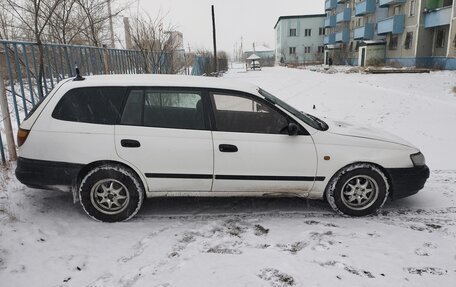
[254,20]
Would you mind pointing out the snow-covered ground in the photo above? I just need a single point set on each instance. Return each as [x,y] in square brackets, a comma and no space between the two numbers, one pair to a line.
[45,240]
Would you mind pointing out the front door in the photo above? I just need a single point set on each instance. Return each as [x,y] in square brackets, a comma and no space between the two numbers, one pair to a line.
[362,56]
[253,151]
[165,134]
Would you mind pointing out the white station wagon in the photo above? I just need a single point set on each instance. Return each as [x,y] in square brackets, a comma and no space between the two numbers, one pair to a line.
[114,140]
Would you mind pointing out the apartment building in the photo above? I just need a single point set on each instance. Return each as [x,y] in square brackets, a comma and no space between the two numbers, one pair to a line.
[299,39]
[418,33]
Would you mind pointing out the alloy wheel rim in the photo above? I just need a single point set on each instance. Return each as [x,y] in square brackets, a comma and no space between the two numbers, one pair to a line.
[359,192]
[109,196]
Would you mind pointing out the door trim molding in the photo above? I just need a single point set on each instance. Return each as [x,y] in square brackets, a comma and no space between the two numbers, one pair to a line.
[179,175]
[236,177]
[270,177]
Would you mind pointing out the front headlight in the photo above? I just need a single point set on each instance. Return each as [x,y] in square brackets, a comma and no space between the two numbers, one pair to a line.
[418,159]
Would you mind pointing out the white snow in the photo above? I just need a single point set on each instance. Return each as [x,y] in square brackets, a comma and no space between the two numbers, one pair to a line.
[45,240]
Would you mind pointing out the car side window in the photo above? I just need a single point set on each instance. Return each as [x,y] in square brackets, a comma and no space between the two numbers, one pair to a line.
[164,109]
[234,113]
[96,105]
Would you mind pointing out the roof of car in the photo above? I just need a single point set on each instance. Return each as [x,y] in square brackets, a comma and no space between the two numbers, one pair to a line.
[145,80]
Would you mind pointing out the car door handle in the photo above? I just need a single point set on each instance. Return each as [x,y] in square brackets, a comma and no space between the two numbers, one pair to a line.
[130,143]
[228,148]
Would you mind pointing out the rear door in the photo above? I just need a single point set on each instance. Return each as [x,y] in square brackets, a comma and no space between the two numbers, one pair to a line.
[165,134]
[253,151]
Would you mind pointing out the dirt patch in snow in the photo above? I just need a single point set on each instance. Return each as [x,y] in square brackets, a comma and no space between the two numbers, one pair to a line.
[276,278]
[427,270]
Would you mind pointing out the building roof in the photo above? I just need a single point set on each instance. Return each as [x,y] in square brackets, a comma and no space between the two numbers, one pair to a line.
[149,80]
[299,17]
[260,48]
[253,57]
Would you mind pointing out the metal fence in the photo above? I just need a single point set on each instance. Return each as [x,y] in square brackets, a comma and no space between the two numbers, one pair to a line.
[19,64]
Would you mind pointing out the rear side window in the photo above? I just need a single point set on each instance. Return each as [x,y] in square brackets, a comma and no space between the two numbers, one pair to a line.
[96,105]
[164,109]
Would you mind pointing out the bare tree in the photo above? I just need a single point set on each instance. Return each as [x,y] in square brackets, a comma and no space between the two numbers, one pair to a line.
[156,43]
[94,18]
[64,24]
[34,15]
[8,29]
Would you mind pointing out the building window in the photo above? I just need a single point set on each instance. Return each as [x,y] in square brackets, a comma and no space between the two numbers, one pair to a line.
[408,40]
[306,50]
[321,49]
[293,32]
[321,31]
[351,46]
[412,8]
[292,50]
[358,22]
[397,10]
[357,46]
[393,42]
[308,32]
[440,40]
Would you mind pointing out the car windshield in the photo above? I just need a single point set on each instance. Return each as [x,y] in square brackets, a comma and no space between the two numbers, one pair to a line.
[311,120]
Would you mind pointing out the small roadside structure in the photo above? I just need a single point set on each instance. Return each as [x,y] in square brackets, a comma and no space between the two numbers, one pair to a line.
[372,53]
[266,54]
[254,62]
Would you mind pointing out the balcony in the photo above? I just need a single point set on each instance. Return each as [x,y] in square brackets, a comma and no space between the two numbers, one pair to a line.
[365,7]
[438,17]
[343,36]
[394,24]
[330,39]
[364,33]
[330,5]
[344,16]
[387,3]
[436,4]
[330,21]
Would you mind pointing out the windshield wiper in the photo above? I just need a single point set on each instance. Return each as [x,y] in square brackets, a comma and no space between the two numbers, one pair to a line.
[323,126]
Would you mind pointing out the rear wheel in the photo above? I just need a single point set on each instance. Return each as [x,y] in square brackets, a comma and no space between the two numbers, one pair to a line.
[111,193]
[358,190]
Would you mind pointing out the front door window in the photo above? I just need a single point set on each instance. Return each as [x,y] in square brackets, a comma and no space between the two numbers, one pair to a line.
[246,115]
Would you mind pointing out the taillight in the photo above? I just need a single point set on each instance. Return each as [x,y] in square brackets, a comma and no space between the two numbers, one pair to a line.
[22,136]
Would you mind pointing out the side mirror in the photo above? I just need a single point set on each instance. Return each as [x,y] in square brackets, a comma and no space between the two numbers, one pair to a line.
[293,129]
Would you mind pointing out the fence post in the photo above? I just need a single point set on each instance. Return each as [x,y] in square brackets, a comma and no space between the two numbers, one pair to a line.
[6,119]
[106,59]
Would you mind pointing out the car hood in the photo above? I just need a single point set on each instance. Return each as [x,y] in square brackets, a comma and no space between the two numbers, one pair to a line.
[353,130]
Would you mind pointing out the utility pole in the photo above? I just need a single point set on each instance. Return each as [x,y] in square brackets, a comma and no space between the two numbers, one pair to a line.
[111,26]
[128,42]
[214,36]
[189,53]
[7,120]
[241,52]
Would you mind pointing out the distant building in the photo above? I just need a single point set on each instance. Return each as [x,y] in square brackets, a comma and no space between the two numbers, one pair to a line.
[299,39]
[266,54]
[418,33]
[177,39]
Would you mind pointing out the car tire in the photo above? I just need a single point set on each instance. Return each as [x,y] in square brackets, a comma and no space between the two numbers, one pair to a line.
[111,193]
[358,190]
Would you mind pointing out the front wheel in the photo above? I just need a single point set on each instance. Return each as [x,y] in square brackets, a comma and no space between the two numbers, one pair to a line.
[111,193]
[358,190]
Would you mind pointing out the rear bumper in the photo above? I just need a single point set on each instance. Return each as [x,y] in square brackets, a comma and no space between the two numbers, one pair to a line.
[47,174]
[407,181]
